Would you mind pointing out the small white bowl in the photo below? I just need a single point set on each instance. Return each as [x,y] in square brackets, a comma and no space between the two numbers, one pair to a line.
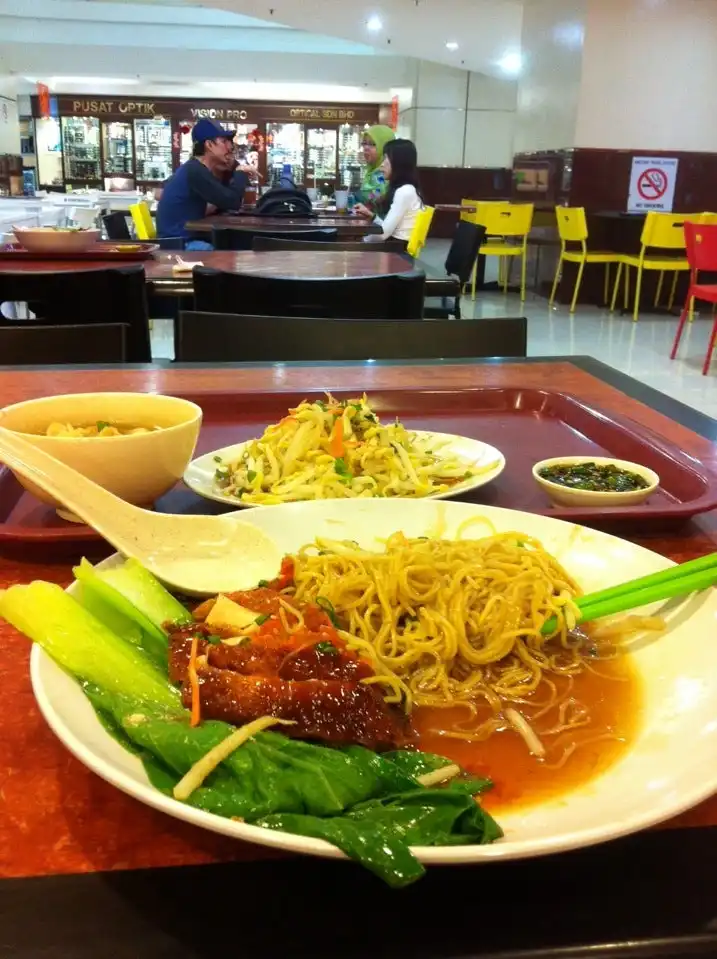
[566,496]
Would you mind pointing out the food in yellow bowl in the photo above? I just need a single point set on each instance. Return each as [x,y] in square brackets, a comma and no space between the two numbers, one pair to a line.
[138,465]
[98,428]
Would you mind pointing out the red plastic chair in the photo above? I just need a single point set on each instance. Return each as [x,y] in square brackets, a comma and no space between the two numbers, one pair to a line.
[701,240]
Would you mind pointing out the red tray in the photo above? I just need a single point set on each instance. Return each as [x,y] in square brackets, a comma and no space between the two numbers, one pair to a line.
[100,251]
[527,425]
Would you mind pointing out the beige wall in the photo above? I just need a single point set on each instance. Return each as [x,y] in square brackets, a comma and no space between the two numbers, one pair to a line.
[549,86]
[649,75]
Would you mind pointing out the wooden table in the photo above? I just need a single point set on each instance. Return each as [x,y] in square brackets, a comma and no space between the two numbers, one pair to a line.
[349,227]
[81,860]
[288,264]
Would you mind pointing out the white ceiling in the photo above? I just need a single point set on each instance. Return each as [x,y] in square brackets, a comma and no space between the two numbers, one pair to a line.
[486,30]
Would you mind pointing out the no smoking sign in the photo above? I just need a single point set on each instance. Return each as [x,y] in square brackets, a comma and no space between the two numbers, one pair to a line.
[652,184]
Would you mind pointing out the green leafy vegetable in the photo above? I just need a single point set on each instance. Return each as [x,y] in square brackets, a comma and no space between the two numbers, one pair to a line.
[251,475]
[378,832]
[101,425]
[263,582]
[217,459]
[261,619]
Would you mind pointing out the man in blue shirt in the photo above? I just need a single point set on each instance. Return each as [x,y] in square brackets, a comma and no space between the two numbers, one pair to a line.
[210,181]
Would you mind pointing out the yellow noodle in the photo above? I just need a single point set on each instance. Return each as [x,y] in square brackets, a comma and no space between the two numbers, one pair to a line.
[449,623]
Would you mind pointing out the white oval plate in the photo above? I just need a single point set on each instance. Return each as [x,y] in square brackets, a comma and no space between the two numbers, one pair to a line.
[670,766]
[199,475]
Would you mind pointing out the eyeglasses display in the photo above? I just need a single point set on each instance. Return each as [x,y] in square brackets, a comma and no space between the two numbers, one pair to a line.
[153,149]
[284,145]
[321,151]
[117,148]
[351,161]
[81,148]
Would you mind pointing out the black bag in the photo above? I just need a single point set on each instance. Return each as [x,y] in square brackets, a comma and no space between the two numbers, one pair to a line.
[283,201]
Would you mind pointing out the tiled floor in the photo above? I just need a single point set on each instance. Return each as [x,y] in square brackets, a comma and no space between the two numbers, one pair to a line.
[640,349]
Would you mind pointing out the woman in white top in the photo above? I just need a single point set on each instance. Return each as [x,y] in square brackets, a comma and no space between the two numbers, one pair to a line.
[403,201]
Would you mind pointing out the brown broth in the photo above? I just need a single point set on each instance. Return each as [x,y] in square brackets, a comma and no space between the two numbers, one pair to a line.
[614,701]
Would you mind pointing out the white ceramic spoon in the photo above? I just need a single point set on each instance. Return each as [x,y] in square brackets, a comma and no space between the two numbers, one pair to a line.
[198,555]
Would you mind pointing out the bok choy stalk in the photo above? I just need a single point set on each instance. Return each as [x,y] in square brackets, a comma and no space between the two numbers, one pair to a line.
[84,646]
[133,603]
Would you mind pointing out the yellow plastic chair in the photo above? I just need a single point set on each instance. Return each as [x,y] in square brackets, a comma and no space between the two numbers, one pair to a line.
[662,231]
[573,228]
[504,221]
[419,234]
[144,225]
[478,214]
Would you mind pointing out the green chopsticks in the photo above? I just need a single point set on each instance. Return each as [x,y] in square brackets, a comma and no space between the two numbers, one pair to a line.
[679,580]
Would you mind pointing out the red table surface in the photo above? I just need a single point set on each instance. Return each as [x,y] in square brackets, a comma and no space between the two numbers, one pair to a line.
[60,818]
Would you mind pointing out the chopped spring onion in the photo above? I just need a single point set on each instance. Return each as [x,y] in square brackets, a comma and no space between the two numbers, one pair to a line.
[328,608]
[194,778]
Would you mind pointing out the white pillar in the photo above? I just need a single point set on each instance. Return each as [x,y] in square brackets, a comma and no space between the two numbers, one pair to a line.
[9,122]
[457,118]
[549,85]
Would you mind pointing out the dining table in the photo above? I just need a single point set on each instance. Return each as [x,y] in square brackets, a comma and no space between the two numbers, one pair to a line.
[88,871]
[348,225]
[165,276]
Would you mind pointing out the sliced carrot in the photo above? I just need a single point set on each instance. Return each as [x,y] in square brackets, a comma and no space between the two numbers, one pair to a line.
[194,682]
[336,443]
[288,419]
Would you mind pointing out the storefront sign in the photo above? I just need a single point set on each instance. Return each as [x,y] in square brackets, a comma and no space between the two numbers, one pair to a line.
[198,113]
[114,108]
[652,184]
[322,113]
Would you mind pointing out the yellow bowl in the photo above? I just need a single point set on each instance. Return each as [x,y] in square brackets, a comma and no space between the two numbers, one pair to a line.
[566,496]
[138,468]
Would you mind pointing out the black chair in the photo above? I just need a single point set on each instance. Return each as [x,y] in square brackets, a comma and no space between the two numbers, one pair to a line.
[224,238]
[384,297]
[85,296]
[34,344]
[222,337]
[268,242]
[462,254]
[116,225]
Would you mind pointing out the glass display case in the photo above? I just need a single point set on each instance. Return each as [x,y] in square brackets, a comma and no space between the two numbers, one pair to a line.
[321,153]
[351,161]
[48,144]
[284,144]
[153,150]
[117,149]
[81,149]
[241,141]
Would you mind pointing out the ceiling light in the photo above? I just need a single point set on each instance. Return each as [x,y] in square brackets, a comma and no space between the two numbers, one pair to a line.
[374,24]
[511,63]
[451,45]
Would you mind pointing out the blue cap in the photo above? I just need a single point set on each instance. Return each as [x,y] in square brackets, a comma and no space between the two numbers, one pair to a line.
[209,130]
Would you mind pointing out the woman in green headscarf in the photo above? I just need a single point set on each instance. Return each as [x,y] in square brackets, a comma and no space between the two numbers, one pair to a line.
[374,186]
